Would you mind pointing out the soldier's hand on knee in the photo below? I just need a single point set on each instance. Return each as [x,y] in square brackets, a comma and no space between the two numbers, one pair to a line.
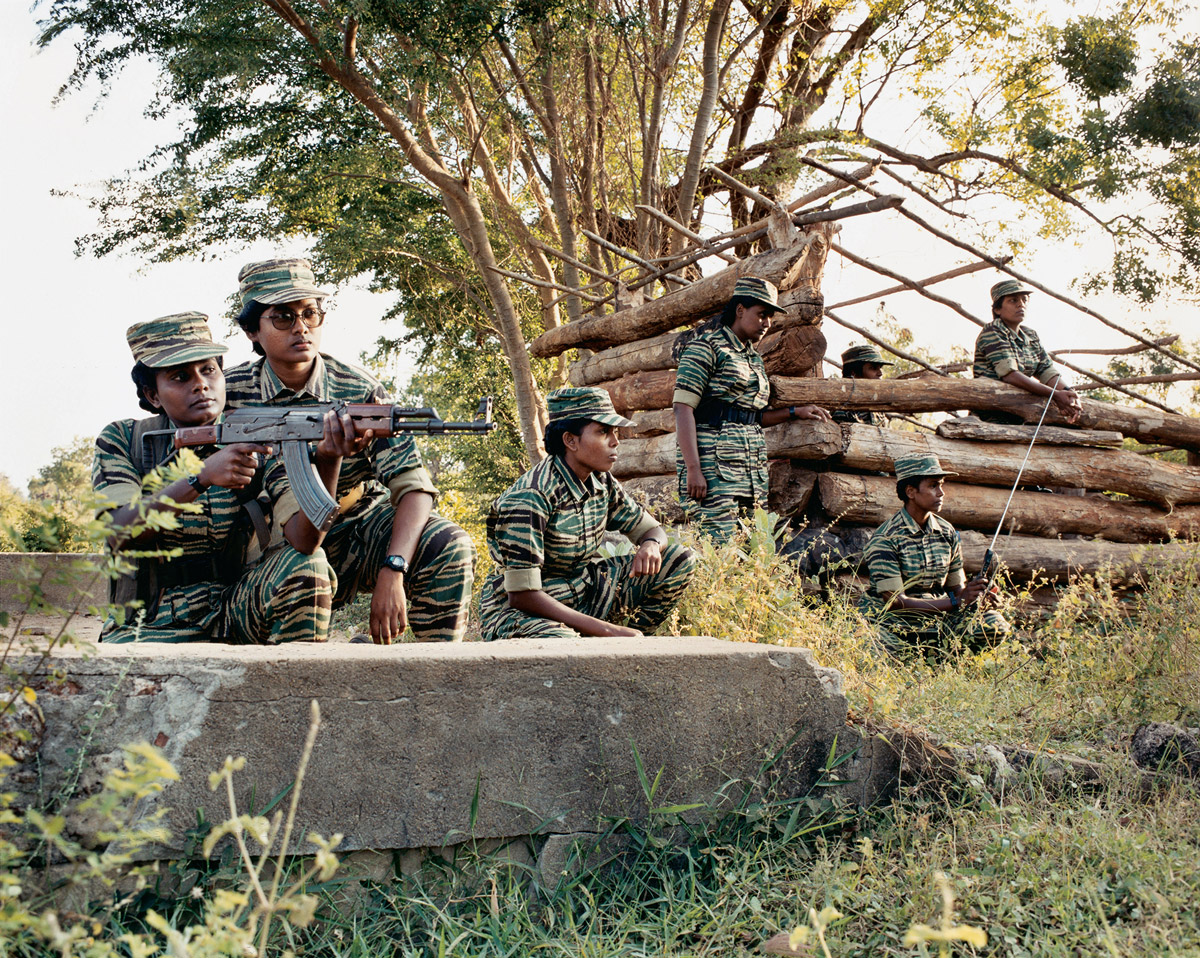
[389,608]
[697,485]
[234,466]
[648,560]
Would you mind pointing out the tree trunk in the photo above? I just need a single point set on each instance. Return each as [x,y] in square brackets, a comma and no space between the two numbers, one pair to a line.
[667,312]
[645,354]
[648,390]
[871,500]
[793,440]
[997,463]
[947,393]
[1048,436]
[790,487]
[1026,556]
[794,351]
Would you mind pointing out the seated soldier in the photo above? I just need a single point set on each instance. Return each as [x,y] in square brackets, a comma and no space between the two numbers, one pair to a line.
[386,538]
[544,534]
[1011,352]
[919,596]
[862,362]
[207,593]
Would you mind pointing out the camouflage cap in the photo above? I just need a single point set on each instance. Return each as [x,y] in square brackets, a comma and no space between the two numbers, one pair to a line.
[864,354]
[1008,287]
[278,281]
[919,465]
[758,289]
[171,340]
[584,402]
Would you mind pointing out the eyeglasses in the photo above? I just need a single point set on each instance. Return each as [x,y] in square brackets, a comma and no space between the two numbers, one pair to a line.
[312,317]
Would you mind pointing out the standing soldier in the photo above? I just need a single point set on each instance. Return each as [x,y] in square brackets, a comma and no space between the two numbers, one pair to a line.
[919,596]
[206,593]
[862,362]
[721,393]
[1011,352]
[386,538]
[544,534]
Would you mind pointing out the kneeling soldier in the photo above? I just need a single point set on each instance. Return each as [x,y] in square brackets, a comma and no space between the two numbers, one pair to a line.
[919,595]
[207,593]
[544,534]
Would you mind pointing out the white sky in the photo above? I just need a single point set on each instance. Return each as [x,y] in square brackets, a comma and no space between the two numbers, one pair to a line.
[64,366]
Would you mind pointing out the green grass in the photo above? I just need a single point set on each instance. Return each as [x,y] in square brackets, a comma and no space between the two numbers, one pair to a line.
[1044,867]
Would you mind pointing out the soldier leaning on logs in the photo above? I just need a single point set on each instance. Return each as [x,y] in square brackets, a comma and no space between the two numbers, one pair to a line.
[720,399]
[544,534]
[1011,352]
[918,594]
[862,362]
[210,592]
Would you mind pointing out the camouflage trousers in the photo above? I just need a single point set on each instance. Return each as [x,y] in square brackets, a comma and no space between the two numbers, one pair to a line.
[439,580]
[906,631]
[718,515]
[285,598]
[733,461]
[605,589]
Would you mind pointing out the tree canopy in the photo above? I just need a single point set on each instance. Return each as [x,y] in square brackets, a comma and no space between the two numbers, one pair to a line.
[445,148]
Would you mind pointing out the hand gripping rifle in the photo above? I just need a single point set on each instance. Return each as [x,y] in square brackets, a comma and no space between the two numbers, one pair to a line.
[988,572]
[292,428]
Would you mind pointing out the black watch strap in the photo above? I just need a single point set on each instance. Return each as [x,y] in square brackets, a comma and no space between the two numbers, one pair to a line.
[397,563]
[194,482]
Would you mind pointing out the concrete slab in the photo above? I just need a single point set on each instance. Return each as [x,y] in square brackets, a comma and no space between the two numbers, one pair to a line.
[426,746]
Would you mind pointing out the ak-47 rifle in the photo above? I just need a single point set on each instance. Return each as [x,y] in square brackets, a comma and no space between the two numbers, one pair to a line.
[291,428]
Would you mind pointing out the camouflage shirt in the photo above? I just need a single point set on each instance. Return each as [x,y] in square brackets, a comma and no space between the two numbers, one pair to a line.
[717,366]
[920,562]
[392,462]
[212,541]
[1000,351]
[544,529]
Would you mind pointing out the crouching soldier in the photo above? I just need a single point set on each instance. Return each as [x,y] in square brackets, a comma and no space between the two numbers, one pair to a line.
[544,534]
[386,538]
[207,592]
[862,362]
[919,596]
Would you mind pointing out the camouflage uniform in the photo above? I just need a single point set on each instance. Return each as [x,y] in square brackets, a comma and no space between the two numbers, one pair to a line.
[922,562]
[851,357]
[1000,351]
[544,532]
[205,594]
[718,367]
[370,485]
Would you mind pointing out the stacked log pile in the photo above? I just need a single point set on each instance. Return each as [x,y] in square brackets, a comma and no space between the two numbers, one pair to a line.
[841,475]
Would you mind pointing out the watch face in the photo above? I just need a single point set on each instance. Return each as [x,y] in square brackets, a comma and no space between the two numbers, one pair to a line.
[396,563]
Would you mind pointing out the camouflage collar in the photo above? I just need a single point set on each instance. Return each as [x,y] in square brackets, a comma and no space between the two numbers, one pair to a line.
[272,385]
[910,524]
[578,490]
[736,343]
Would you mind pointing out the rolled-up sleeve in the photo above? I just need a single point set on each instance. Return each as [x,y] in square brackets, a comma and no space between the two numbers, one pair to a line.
[696,367]
[518,530]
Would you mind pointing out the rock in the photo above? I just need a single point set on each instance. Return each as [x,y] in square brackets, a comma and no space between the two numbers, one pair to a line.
[1161,747]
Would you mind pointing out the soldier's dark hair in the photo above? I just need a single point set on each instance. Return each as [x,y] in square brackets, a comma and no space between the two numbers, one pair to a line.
[145,378]
[853,370]
[249,318]
[555,431]
[730,313]
[902,487]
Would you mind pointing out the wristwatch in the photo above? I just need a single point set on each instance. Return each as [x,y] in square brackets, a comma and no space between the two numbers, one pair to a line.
[954,600]
[396,563]
[194,481]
